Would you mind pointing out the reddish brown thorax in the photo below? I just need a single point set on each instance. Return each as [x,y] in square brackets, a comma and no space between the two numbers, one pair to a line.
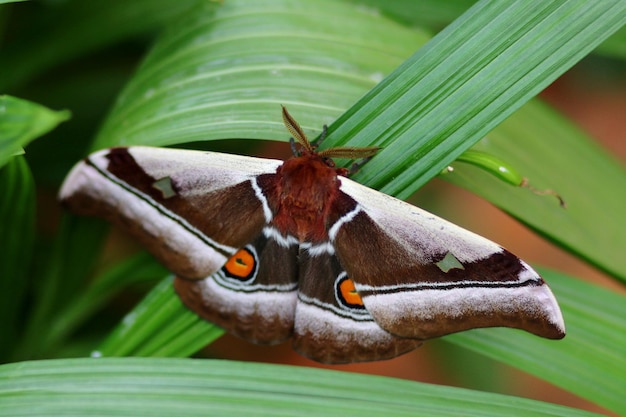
[307,185]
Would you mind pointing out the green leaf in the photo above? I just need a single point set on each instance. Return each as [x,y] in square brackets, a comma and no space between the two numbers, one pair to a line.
[464,82]
[159,326]
[74,28]
[588,362]
[224,71]
[99,291]
[60,278]
[432,14]
[615,46]
[187,387]
[553,154]
[21,121]
[17,224]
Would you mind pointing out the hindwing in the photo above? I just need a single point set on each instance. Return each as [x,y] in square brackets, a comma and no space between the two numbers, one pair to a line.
[253,295]
[331,323]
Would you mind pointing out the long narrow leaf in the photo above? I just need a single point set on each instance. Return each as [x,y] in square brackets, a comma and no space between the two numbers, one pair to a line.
[100,290]
[589,362]
[17,226]
[59,279]
[225,71]
[159,326]
[466,81]
[186,387]
[555,155]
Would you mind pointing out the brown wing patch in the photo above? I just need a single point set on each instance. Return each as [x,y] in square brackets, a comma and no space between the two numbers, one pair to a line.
[230,216]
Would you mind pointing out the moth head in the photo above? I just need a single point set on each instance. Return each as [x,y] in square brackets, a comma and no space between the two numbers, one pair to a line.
[307,148]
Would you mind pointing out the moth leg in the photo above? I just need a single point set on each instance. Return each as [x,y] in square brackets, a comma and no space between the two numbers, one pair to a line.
[321,137]
[358,165]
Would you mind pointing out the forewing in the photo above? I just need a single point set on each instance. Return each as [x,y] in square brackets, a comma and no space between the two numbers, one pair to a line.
[192,210]
[421,276]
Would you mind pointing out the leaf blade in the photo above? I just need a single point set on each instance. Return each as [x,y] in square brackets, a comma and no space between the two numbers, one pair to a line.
[596,333]
[22,121]
[17,232]
[464,88]
[124,386]
[321,55]
[554,154]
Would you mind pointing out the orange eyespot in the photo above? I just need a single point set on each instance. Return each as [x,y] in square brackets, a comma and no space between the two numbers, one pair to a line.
[348,293]
[241,265]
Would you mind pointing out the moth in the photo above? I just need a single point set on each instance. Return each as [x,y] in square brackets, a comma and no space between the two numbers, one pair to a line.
[272,250]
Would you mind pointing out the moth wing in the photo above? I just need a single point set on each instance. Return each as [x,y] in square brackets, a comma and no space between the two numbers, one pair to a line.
[253,295]
[421,276]
[192,210]
[330,327]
